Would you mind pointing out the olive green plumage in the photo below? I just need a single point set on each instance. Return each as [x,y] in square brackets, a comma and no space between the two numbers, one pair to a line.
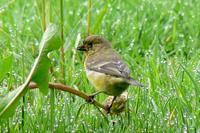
[104,67]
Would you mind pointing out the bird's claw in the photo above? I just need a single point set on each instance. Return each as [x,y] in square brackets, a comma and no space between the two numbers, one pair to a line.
[92,96]
[90,99]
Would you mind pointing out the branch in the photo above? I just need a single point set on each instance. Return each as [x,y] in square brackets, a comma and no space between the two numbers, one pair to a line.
[63,87]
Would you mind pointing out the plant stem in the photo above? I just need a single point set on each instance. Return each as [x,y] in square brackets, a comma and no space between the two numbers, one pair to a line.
[62,53]
[43,16]
[89,17]
[23,99]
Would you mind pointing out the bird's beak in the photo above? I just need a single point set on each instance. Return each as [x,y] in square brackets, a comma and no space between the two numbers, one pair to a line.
[82,48]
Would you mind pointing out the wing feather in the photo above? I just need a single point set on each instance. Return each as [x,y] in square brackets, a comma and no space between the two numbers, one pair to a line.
[113,68]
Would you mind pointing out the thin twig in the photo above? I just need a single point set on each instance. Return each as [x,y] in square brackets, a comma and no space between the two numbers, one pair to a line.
[63,87]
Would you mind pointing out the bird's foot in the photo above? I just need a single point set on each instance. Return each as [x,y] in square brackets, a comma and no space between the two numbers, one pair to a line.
[92,96]
[90,99]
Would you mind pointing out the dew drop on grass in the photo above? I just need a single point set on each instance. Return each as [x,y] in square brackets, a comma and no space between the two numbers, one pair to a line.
[181,35]
[155,26]
[37,126]
[73,131]
[97,11]
[27,20]
[141,7]
[33,18]
[6,130]
[2,10]
[13,123]
[185,129]
[55,125]
[36,41]
[29,28]
[167,115]
[163,61]
[70,12]
[60,120]
[134,28]
[193,16]
[78,14]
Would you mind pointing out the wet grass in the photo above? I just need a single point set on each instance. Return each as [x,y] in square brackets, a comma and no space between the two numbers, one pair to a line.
[159,39]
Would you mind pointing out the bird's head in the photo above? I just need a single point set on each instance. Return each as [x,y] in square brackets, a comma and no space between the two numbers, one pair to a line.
[94,43]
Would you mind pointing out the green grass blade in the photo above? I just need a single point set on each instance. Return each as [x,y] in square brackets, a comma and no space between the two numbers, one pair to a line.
[5,66]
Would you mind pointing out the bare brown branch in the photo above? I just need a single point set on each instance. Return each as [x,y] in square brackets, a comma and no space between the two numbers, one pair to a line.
[63,87]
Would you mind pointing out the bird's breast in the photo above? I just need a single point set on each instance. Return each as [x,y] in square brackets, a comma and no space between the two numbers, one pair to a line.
[98,80]
[109,84]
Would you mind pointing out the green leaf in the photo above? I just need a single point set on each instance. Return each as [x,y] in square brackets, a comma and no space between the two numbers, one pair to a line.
[99,19]
[10,102]
[39,72]
[5,66]
[41,75]
[50,41]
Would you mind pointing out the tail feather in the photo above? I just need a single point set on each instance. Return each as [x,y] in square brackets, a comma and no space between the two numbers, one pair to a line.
[134,82]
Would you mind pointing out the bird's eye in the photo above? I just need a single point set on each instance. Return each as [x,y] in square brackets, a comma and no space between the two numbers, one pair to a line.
[90,44]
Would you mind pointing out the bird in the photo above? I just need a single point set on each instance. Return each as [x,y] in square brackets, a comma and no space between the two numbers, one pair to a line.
[104,67]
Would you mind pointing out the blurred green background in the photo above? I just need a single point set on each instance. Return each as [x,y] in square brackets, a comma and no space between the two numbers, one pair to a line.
[159,40]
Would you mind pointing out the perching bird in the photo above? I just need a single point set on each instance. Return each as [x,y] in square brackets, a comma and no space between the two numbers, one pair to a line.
[104,67]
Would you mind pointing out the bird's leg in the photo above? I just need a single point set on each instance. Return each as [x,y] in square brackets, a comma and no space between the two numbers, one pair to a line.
[108,109]
[94,94]
[91,96]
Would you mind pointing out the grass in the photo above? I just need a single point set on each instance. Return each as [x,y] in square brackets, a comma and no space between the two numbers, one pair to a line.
[159,40]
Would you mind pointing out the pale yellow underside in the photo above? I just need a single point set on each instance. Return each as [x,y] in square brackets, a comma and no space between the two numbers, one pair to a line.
[103,82]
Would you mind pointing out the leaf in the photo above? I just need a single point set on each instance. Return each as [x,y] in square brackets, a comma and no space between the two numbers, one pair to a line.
[39,72]
[5,66]
[50,41]
[10,102]
[99,19]
[41,75]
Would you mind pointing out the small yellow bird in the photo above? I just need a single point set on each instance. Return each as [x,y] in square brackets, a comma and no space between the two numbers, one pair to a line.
[104,67]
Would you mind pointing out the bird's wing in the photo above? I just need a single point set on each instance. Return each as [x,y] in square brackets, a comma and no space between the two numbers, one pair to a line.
[117,69]
[114,68]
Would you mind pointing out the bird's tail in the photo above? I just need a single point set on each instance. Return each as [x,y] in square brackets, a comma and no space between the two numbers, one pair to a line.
[133,82]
